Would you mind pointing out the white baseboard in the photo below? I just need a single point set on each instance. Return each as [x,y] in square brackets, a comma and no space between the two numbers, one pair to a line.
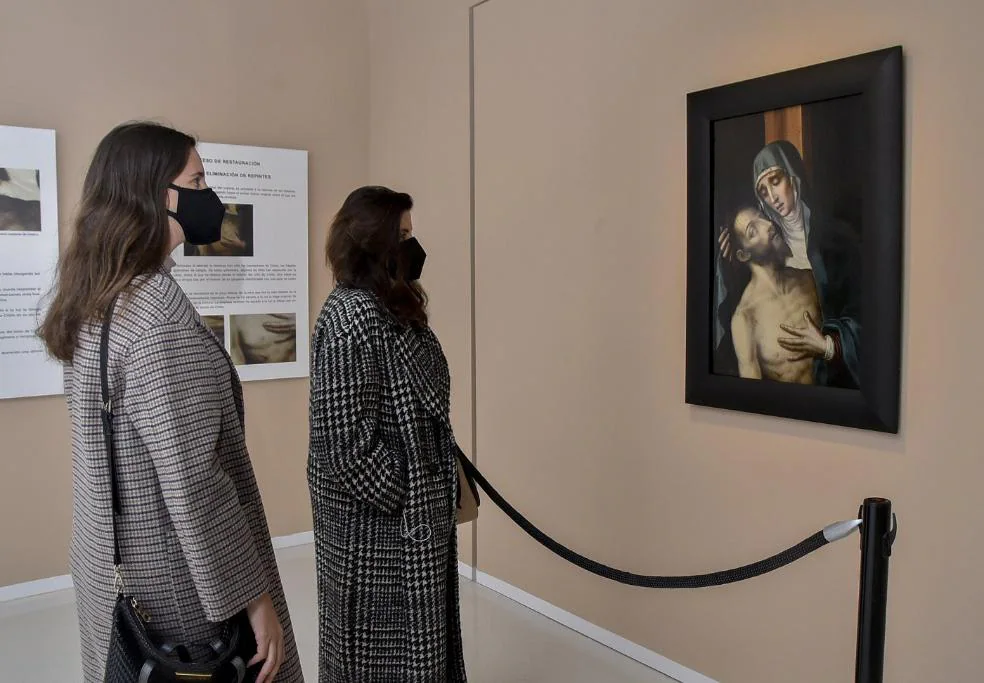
[32,589]
[654,661]
[293,541]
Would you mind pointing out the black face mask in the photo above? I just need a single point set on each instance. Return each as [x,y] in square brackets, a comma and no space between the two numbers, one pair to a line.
[411,257]
[200,214]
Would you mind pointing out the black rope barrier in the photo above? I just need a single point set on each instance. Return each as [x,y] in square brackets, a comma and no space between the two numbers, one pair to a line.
[878,531]
[800,550]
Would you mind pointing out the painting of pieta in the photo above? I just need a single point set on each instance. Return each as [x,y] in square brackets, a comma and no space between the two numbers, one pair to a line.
[788,268]
[794,273]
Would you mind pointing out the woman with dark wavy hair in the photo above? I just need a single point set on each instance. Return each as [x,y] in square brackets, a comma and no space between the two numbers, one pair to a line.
[193,536]
[381,468]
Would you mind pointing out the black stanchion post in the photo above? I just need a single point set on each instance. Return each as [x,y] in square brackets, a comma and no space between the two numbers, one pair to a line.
[877,536]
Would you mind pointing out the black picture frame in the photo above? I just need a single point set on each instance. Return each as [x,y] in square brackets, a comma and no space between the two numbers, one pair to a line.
[878,78]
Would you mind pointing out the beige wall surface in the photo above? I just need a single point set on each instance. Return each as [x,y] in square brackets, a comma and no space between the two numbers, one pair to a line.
[581,259]
[233,71]
[421,147]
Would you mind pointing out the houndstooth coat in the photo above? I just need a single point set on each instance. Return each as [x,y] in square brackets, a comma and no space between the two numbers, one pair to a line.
[194,539]
[383,484]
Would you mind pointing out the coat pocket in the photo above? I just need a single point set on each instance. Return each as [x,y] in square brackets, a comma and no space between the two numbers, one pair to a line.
[378,599]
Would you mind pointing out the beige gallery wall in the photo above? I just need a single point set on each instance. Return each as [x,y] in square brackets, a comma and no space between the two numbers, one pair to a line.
[421,147]
[580,237]
[232,71]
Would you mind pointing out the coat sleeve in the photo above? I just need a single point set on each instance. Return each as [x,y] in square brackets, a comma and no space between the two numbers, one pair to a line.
[174,400]
[346,414]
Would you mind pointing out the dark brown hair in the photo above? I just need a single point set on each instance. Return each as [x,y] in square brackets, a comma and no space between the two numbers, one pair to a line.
[121,227]
[362,250]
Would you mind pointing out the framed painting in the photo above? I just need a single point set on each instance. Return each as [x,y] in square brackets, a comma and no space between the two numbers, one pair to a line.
[794,249]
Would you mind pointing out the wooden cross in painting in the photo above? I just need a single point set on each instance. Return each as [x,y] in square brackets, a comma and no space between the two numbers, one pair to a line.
[792,124]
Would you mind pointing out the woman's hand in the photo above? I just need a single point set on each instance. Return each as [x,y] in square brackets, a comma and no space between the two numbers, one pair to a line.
[724,243]
[807,341]
[269,637]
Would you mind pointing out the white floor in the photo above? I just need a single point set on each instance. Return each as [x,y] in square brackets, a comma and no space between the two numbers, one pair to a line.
[504,641]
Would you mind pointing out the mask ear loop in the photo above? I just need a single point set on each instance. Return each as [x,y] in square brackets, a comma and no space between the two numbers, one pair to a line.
[167,199]
[419,534]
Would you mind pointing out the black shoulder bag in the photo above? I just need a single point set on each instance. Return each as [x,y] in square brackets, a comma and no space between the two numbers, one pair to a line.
[133,656]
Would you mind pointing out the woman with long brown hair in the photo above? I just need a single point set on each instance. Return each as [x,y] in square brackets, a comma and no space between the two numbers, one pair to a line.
[381,468]
[192,532]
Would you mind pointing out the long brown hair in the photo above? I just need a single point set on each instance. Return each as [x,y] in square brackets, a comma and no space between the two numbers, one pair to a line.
[362,250]
[120,230]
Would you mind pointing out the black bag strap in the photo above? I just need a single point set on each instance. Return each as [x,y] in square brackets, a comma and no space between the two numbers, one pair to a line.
[107,424]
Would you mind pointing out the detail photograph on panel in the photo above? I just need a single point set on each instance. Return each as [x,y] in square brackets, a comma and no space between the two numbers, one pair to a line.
[28,258]
[237,235]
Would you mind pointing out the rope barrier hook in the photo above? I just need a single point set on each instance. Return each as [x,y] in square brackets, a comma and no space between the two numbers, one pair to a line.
[838,530]
[889,539]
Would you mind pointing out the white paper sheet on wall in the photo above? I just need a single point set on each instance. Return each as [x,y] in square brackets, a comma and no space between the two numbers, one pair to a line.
[28,259]
[251,287]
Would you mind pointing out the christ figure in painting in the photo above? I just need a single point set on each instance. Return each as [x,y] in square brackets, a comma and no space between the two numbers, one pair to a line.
[777,295]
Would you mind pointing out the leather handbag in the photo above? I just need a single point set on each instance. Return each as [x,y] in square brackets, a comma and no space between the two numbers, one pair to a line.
[468,499]
[133,655]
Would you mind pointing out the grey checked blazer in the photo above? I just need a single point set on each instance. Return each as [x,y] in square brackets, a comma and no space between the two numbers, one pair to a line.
[194,539]
[383,485]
